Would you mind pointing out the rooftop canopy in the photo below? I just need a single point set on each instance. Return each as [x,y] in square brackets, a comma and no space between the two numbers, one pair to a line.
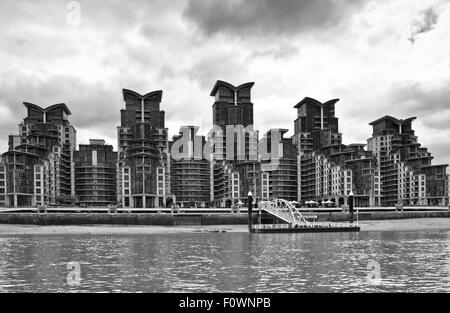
[315,102]
[221,83]
[393,119]
[49,108]
[157,94]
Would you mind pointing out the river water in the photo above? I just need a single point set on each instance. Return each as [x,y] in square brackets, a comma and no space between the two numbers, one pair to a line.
[388,261]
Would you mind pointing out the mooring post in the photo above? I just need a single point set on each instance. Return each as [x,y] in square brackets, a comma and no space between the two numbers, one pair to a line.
[350,198]
[250,211]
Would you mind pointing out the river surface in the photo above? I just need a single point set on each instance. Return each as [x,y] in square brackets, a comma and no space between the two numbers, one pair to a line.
[388,261]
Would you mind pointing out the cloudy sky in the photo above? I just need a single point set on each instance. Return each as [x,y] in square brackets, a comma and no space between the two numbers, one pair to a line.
[378,57]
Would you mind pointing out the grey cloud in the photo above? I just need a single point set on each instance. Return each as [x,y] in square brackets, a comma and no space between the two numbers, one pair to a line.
[267,17]
[440,151]
[223,66]
[425,24]
[419,99]
[281,51]
[432,108]
[92,105]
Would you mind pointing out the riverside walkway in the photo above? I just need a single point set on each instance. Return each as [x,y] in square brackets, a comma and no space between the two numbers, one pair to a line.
[77,216]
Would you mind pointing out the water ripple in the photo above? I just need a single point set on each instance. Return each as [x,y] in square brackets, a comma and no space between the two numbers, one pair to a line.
[409,262]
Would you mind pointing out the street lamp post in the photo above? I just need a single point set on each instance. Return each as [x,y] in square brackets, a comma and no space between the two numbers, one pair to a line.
[250,211]
[350,198]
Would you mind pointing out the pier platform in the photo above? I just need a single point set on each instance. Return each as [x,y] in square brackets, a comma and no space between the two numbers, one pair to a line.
[318,228]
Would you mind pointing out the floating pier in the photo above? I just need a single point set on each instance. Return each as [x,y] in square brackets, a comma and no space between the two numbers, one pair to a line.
[294,221]
[275,229]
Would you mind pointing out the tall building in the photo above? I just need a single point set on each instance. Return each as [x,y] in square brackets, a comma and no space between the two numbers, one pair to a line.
[405,174]
[279,174]
[39,160]
[2,182]
[315,121]
[190,170]
[144,168]
[316,125]
[327,169]
[233,173]
[95,174]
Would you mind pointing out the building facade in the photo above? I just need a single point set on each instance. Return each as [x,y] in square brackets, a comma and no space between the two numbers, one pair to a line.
[42,166]
[405,174]
[279,177]
[189,169]
[143,156]
[39,160]
[3,182]
[235,168]
[328,170]
[95,174]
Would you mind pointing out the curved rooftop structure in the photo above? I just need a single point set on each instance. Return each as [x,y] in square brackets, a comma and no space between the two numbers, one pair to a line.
[33,106]
[393,119]
[315,102]
[154,95]
[221,83]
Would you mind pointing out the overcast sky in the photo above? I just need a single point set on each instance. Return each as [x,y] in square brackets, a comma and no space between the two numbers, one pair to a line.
[379,57]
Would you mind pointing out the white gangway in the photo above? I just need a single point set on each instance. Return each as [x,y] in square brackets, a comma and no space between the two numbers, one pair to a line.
[284,210]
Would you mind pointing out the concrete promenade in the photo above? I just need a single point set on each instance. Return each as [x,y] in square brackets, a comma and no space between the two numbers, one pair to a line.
[167,219]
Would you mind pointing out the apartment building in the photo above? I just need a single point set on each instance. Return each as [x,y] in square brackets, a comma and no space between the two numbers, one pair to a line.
[189,169]
[405,173]
[95,174]
[39,160]
[3,182]
[279,171]
[328,170]
[235,169]
[143,157]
